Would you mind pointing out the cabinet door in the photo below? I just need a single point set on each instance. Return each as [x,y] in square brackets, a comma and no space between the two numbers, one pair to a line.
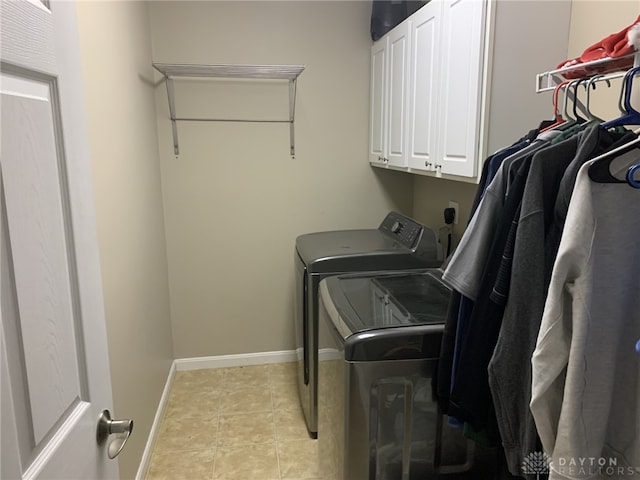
[423,86]
[399,46]
[377,102]
[461,87]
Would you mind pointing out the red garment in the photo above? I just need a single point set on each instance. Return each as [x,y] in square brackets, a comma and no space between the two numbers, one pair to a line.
[613,46]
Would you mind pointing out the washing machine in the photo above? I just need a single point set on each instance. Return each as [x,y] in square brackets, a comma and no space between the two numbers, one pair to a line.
[398,243]
[378,414]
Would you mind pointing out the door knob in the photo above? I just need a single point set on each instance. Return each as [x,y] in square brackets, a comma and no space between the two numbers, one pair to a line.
[120,428]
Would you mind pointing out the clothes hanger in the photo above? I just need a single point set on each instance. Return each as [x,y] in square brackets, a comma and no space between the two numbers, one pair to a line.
[631,180]
[575,120]
[599,170]
[558,119]
[578,118]
[577,123]
[572,120]
[591,84]
[632,116]
[622,90]
[565,103]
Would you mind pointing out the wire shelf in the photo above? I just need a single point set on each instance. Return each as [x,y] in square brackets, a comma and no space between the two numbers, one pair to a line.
[262,72]
[549,80]
[275,72]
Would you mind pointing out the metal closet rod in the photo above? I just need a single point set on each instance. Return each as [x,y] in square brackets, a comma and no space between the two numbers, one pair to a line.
[229,120]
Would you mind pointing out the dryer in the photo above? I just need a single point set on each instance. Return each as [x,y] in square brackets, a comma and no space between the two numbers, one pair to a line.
[399,243]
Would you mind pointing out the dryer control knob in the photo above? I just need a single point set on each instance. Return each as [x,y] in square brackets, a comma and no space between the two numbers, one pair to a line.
[396,227]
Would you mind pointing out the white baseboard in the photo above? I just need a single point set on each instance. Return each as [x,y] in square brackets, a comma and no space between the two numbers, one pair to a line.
[329,354]
[240,360]
[145,461]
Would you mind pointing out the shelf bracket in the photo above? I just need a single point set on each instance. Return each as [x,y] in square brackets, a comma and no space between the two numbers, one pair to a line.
[292,112]
[270,72]
[172,114]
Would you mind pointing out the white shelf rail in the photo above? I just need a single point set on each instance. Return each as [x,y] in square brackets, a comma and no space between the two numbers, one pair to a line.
[608,67]
[289,73]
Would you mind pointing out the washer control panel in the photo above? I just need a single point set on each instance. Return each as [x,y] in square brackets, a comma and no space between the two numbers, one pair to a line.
[403,229]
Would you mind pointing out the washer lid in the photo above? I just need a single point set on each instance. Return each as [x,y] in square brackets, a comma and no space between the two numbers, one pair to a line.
[319,246]
[398,243]
[390,299]
[357,251]
[387,316]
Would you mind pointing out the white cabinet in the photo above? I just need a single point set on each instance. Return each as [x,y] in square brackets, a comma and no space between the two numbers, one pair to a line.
[427,117]
[470,68]
[389,90]
[378,87]
[460,86]
[422,122]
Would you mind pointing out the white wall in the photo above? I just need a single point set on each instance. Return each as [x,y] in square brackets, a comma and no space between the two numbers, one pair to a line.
[120,102]
[234,199]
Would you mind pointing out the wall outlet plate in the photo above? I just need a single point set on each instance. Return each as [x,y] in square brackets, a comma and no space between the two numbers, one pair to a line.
[456,207]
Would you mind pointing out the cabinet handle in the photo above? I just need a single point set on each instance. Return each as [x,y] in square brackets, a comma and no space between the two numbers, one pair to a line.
[438,166]
[427,164]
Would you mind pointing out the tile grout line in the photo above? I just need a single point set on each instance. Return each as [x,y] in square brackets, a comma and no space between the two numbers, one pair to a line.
[275,430]
[217,442]
[225,372]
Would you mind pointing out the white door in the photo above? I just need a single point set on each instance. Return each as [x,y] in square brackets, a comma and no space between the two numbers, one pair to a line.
[54,373]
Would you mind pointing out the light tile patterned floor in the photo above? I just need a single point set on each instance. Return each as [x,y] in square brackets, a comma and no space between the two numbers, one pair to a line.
[241,423]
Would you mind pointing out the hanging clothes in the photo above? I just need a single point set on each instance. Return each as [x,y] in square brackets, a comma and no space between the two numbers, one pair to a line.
[472,272]
[500,274]
[464,271]
[533,278]
[524,287]
[585,372]
[459,304]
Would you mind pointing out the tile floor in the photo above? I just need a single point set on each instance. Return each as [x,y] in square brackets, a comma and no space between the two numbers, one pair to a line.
[241,423]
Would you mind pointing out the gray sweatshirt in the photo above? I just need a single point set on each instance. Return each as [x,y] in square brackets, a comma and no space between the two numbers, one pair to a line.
[585,370]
